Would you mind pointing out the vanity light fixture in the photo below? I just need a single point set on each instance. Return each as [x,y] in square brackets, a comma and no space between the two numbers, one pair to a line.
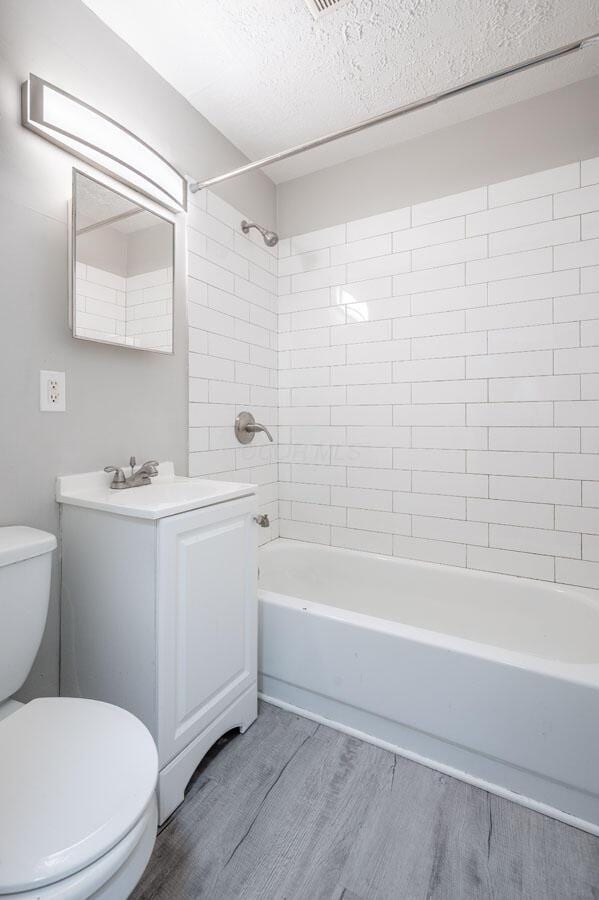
[94,137]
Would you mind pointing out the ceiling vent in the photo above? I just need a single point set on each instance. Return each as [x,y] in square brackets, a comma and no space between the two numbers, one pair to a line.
[320,7]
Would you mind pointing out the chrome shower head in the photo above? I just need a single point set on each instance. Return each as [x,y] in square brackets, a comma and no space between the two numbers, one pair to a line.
[271,238]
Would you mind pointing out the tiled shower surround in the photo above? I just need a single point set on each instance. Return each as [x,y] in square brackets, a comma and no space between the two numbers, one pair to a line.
[134,310]
[439,386]
[232,314]
[438,377]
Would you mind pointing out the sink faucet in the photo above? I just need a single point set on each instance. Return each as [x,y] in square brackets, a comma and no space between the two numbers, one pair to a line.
[144,475]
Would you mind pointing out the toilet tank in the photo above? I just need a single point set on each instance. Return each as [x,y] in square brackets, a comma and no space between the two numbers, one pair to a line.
[25,566]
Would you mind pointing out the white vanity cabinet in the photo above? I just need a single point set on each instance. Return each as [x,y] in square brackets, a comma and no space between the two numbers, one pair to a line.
[159,612]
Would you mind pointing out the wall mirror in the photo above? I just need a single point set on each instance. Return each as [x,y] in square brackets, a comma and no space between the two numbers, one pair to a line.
[123,265]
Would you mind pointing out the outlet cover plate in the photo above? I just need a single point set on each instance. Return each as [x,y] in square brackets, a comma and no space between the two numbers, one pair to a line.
[52,391]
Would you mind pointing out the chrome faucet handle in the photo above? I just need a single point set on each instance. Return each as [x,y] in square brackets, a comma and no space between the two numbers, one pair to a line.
[254,429]
[246,427]
[119,475]
[151,467]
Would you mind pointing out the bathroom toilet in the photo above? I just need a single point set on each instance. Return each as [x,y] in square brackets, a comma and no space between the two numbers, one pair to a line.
[77,777]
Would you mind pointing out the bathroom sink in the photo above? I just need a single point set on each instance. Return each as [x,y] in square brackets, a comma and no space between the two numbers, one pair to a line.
[168,494]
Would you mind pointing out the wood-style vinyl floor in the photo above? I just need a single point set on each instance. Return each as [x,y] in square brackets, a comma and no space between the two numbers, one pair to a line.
[293,810]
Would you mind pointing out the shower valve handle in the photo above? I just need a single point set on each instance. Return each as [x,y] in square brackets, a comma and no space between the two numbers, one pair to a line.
[246,427]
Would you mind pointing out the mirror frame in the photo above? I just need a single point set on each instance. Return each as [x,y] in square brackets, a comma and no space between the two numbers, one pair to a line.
[148,205]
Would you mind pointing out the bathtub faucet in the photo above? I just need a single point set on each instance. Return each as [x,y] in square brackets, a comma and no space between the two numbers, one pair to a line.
[262,520]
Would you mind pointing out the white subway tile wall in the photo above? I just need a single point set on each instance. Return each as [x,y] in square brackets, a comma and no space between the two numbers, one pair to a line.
[232,316]
[136,311]
[149,301]
[100,300]
[438,377]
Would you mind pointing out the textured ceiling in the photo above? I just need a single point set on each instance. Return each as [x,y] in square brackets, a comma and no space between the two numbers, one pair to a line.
[97,203]
[269,76]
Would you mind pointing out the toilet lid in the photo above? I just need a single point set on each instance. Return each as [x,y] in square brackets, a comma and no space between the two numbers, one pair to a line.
[18,542]
[75,777]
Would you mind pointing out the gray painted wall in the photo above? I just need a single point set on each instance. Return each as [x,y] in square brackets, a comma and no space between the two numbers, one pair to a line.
[119,401]
[127,253]
[149,249]
[105,248]
[547,131]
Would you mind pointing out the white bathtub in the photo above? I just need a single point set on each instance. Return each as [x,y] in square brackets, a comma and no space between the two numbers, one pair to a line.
[492,679]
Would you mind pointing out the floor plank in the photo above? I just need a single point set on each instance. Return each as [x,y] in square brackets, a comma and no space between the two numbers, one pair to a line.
[428,838]
[534,856]
[302,839]
[297,811]
[220,807]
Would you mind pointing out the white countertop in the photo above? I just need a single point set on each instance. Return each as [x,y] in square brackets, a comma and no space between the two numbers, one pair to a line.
[168,494]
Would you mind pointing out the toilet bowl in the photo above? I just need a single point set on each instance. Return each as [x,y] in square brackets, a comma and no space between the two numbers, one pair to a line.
[78,810]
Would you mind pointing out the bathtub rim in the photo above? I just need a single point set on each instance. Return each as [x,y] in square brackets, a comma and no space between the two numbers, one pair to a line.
[589,596]
[585,674]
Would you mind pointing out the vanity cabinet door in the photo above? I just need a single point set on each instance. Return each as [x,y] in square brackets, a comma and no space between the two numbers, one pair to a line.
[207,618]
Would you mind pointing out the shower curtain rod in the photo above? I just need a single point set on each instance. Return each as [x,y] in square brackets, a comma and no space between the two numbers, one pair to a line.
[395,113]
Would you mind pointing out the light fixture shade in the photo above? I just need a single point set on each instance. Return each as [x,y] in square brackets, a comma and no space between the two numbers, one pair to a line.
[90,135]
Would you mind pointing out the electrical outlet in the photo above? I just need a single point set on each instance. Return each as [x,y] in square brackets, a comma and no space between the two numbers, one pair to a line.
[52,392]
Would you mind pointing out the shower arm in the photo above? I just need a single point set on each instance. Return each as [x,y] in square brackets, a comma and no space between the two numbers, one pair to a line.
[397,112]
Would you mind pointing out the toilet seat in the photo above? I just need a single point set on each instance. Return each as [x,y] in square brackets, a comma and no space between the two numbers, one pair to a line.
[77,783]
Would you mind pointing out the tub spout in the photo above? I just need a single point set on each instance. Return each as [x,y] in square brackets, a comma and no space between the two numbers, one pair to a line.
[262,520]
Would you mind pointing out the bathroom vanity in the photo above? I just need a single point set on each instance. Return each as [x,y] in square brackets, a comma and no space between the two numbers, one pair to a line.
[159,611]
